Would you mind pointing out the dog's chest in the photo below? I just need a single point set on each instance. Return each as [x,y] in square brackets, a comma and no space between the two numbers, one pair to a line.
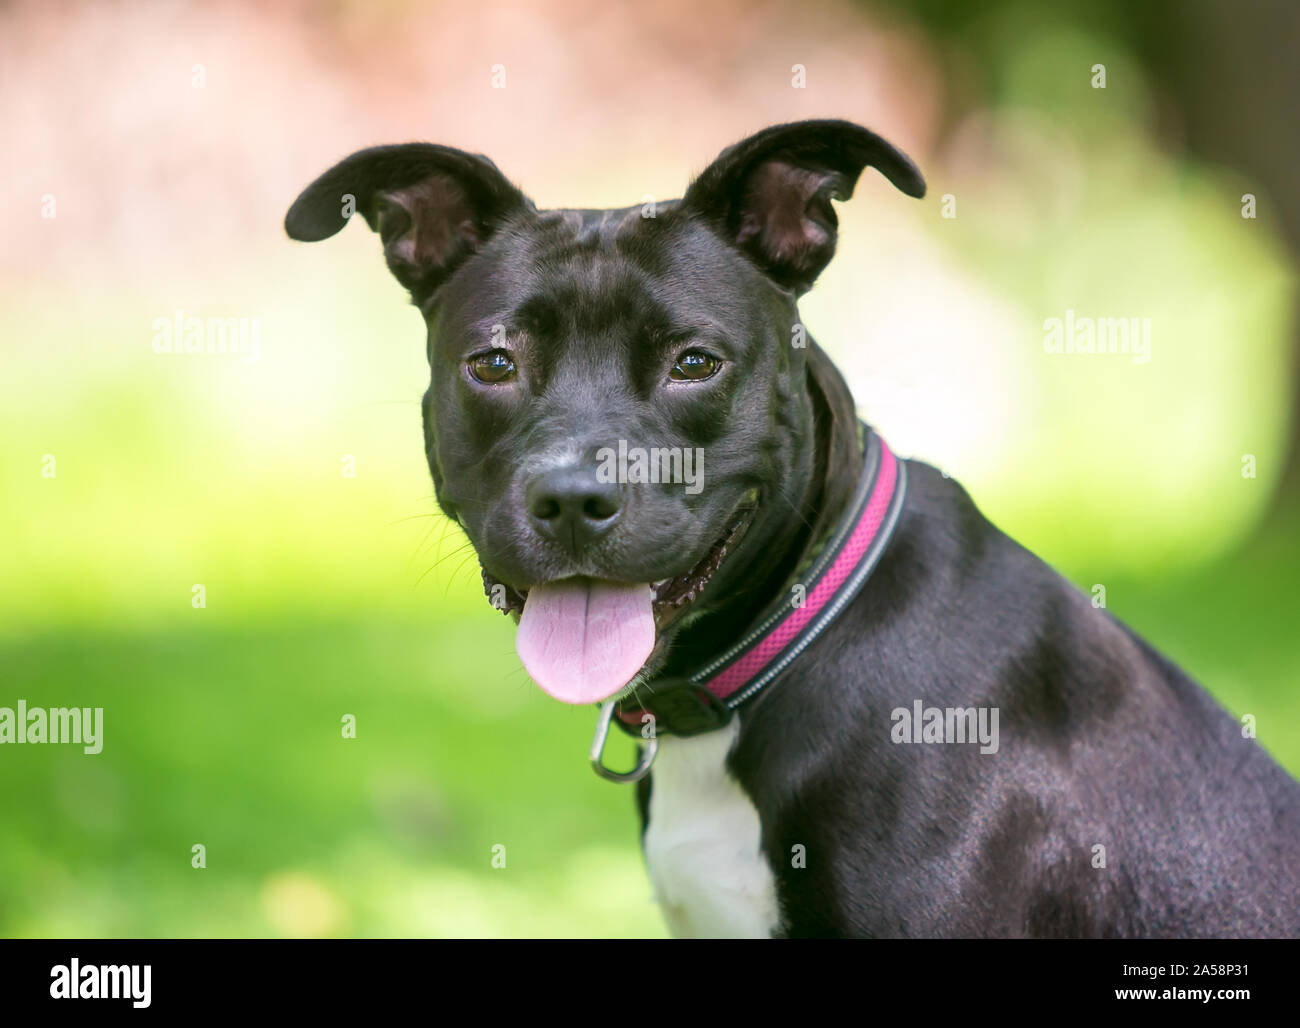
[702,843]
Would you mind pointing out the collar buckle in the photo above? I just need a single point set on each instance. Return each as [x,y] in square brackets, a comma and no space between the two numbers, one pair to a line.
[677,706]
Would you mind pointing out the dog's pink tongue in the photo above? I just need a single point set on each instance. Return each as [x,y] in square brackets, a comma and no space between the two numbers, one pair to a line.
[582,640]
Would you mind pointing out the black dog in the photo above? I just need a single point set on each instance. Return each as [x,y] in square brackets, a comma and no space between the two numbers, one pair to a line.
[801,628]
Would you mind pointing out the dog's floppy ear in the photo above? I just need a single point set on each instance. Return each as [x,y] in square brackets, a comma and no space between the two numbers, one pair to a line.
[771,194]
[432,206]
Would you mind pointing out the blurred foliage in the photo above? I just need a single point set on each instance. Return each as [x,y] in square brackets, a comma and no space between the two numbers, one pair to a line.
[330,595]
[230,737]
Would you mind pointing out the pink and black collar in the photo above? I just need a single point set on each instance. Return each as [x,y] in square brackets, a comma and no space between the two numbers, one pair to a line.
[706,699]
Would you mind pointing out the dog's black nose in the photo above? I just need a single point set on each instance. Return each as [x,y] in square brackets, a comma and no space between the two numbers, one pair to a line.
[572,505]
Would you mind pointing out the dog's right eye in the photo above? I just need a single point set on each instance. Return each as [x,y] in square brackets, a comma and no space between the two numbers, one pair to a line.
[492,367]
[694,366]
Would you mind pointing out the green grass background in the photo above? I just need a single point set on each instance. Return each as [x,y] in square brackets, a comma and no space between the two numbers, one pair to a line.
[228,734]
[328,595]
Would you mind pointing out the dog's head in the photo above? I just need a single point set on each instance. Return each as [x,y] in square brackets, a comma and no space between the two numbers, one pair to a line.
[617,412]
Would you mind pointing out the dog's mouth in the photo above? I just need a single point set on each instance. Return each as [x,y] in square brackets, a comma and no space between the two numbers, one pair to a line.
[672,596]
[583,639]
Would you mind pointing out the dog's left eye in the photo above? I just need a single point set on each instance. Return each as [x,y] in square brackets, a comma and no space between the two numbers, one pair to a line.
[694,366]
[492,367]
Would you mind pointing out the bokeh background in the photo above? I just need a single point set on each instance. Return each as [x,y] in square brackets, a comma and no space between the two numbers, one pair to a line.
[149,152]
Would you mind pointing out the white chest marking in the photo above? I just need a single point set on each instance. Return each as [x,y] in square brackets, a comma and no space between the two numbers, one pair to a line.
[702,843]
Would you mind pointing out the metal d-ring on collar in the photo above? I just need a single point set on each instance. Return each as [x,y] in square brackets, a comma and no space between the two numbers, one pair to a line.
[598,748]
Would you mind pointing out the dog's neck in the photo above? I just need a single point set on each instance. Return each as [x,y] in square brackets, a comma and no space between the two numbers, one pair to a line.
[817,504]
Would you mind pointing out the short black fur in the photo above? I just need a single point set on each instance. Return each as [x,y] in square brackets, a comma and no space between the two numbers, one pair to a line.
[1104,742]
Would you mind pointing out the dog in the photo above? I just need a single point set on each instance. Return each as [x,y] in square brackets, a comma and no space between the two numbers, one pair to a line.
[786,639]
